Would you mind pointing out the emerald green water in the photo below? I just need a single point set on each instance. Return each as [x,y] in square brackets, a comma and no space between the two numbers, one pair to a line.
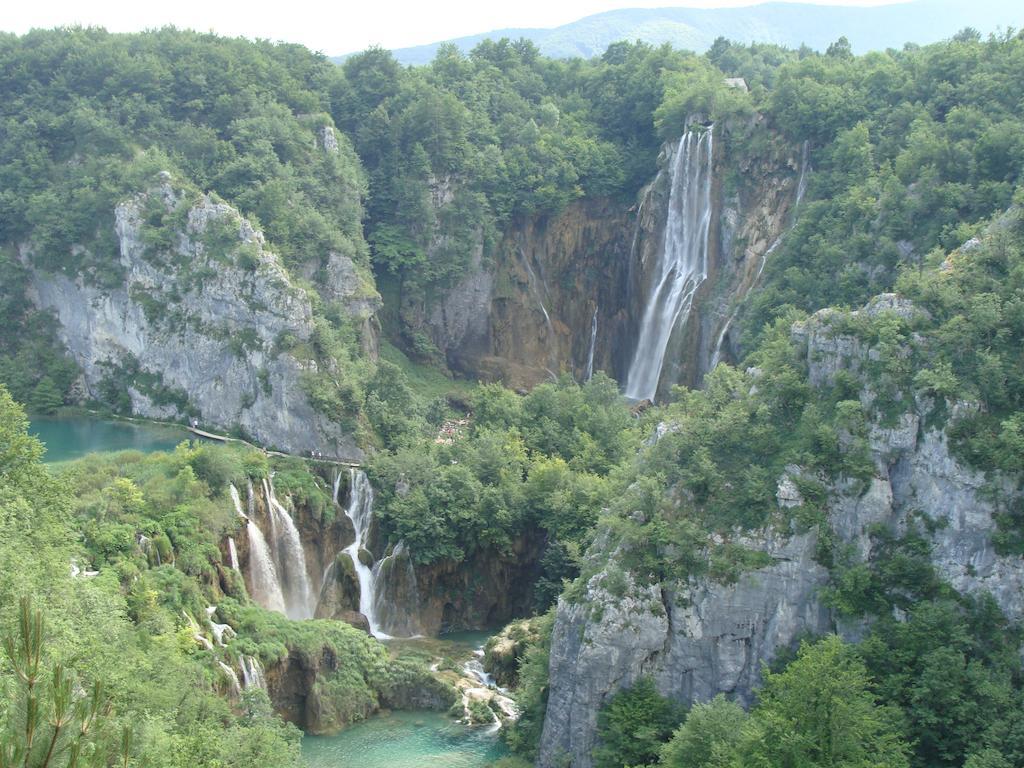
[405,740]
[72,437]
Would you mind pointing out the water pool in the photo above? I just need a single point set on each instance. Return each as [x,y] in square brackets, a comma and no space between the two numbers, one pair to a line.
[405,740]
[72,437]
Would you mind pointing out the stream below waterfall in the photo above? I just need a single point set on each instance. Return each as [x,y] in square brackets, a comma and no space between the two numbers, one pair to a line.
[414,739]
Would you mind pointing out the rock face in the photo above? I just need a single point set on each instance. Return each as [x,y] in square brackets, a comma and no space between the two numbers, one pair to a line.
[696,640]
[524,312]
[206,322]
[918,483]
[564,293]
[487,590]
[701,638]
[303,690]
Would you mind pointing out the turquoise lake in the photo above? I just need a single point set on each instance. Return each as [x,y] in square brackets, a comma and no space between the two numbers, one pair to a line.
[72,437]
[405,740]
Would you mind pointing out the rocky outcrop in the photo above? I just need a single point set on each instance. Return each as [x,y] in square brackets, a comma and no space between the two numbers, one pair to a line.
[524,311]
[319,692]
[695,640]
[485,590]
[504,652]
[205,322]
[700,638]
[918,483]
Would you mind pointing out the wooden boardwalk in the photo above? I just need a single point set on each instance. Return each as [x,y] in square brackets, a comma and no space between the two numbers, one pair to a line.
[226,439]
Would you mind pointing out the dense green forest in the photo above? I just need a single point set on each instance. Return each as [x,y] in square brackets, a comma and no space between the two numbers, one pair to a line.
[917,156]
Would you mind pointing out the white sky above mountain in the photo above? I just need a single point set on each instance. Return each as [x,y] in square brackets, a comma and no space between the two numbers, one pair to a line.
[333,28]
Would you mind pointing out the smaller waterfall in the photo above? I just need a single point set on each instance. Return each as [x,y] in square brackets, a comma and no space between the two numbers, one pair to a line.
[291,557]
[801,189]
[233,552]
[683,263]
[801,184]
[263,580]
[539,290]
[234,688]
[220,631]
[360,512]
[716,358]
[396,593]
[475,668]
[593,343]
[336,486]
[252,673]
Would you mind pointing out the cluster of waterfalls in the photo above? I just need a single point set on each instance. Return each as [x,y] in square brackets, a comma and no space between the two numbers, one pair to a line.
[279,577]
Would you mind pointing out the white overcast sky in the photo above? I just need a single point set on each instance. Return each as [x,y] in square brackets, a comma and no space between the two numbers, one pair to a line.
[334,28]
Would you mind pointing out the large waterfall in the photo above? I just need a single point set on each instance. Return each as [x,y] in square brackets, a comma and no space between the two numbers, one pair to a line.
[278,578]
[683,263]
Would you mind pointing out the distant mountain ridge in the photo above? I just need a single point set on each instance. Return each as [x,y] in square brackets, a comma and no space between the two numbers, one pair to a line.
[788,24]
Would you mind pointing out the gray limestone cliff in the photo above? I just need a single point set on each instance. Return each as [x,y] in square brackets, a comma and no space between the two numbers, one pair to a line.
[206,322]
[700,638]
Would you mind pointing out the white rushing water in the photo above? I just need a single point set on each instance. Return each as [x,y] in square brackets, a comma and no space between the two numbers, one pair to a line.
[360,512]
[801,184]
[233,552]
[590,352]
[386,618]
[252,673]
[683,263]
[264,584]
[234,688]
[291,558]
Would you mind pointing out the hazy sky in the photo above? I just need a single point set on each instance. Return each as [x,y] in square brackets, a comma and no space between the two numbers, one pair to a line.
[333,28]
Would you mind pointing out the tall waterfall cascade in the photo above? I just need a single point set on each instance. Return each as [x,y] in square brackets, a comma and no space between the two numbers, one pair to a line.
[264,584]
[360,512]
[290,558]
[682,265]
[278,575]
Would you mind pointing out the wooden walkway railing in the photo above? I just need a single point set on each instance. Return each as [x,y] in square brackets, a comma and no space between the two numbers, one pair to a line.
[227,439]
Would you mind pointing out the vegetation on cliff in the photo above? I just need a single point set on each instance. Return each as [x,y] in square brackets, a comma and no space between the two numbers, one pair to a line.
[913,152]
